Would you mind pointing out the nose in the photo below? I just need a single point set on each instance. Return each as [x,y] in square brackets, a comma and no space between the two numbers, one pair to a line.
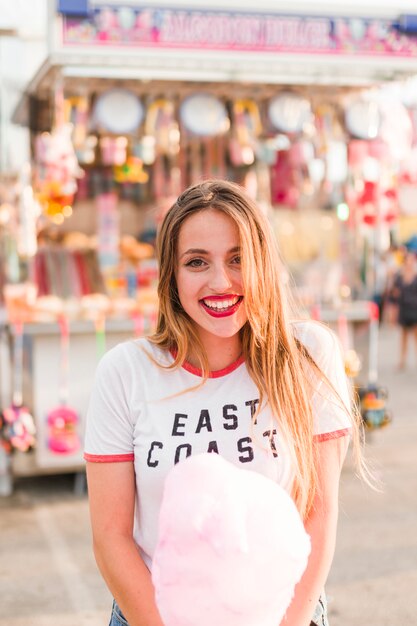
[219,280]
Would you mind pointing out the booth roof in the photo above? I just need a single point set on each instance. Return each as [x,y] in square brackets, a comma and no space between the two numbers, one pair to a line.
[178,73]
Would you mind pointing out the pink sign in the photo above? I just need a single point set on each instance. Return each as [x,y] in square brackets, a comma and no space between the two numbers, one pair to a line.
[135,27]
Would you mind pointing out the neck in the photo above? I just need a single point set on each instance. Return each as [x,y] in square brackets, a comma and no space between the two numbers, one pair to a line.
[221,352]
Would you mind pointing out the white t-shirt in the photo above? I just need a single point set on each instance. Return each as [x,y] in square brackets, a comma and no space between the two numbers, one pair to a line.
[139,412]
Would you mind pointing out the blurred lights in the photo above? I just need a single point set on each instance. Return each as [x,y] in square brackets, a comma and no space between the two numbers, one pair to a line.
[342,211]
[248,156]
[174,135]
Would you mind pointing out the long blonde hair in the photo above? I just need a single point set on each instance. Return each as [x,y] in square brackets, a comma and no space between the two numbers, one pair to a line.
[278,363]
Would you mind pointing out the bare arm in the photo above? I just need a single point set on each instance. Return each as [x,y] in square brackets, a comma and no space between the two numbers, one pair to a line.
[321,525]
[111,488]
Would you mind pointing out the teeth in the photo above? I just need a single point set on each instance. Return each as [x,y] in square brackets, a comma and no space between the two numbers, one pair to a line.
[220,305]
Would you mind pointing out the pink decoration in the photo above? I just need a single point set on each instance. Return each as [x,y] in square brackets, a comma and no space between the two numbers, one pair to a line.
[231,546]
[113,150]
[369,194]
[357,152]
[379,150]
[106,19]
[62,430]
[397,129]
[408,174]
[284,189]
[297,154]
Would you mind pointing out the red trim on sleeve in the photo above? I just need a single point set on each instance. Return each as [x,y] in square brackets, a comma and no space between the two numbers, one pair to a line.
[108,458]
[335,434]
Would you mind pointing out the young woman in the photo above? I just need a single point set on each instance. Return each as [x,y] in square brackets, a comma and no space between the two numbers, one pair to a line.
[225,372]
[404,295]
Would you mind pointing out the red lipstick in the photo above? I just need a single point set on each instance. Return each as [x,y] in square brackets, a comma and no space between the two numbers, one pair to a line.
[221,312]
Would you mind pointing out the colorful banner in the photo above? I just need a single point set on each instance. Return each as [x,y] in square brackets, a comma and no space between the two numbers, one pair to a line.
[134,27]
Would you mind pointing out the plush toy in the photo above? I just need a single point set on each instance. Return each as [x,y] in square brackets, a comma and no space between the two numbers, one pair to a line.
[231,546]
[57,169]
[17,426]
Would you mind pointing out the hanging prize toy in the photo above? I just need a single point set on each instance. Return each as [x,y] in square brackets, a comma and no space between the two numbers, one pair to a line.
[246,130]
[162,122]
[82,143]
[18,425]
[352,361]
[113,150]
[131,172]
[63,420]
[284,189]
[159,126]
[373,398]
[57,170]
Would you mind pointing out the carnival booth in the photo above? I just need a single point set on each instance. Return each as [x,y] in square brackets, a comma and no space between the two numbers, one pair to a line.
[134,104]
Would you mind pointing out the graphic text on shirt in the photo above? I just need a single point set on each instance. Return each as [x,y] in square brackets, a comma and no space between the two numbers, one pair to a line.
[181,424]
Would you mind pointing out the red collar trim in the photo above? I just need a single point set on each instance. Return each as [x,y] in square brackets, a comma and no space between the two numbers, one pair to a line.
[217,373]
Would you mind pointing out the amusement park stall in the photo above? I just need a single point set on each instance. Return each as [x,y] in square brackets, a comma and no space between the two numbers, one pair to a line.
[133,104]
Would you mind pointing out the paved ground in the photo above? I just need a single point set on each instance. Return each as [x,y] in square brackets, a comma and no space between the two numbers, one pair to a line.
[48,576]
[374,575]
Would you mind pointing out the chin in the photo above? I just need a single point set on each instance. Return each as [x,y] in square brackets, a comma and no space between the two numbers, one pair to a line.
[225,332]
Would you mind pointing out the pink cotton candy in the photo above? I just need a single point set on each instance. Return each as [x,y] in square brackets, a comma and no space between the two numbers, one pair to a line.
[231,546]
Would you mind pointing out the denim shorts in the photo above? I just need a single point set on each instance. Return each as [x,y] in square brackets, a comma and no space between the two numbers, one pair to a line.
[319,617]
[117,617]
[320,614]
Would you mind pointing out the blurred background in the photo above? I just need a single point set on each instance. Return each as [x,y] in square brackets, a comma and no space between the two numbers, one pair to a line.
[107,111]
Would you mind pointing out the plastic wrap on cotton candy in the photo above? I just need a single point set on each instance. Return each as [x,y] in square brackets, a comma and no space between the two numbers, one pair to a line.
[231,546]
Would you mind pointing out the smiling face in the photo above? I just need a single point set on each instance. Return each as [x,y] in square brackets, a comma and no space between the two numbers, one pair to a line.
[208,276]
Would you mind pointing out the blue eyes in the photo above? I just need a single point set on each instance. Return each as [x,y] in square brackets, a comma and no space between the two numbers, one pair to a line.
[198,263]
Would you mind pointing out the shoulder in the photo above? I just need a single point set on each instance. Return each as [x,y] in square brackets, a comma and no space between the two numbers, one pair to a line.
[118,355]
[132,354]
[319,339]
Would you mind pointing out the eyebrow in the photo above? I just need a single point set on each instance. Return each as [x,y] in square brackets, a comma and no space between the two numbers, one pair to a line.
[202,251]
